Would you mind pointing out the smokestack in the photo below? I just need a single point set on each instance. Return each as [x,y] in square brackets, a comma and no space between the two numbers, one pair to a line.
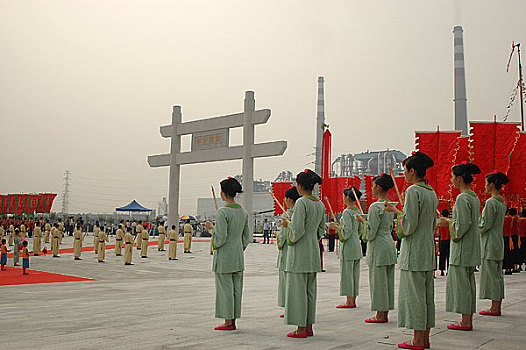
[461,113]
[320,125]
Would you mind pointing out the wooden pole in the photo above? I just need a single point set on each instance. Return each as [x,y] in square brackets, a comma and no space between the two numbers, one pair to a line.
[276,200]
[396,186]
[357,200]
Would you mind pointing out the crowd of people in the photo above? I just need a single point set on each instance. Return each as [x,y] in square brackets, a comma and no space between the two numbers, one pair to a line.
[491,241]
[477,240]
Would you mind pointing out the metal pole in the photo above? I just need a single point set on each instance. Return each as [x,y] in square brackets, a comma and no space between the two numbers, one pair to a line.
[521,89]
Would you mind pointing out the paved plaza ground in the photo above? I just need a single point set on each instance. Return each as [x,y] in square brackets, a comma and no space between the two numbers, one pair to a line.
[162,304]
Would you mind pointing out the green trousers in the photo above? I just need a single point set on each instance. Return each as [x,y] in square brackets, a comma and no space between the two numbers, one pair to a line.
[491,280]
[349,277]
[416,300]
[229,290]
[300,300]
[461,290]
[282,280]
[381,287]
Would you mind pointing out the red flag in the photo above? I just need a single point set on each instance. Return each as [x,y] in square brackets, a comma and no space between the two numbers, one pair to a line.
[46,202]
[326,155]
[491,146]
[516,188]
[3,204]
[441,146]
[33,201]
[279,188]
[369,190]
[391,195]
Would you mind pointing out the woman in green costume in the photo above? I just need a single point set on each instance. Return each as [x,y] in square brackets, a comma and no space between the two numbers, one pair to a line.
[461,289]
[351,248]
[231,237]
[303,256]
[381,250]
[415,227]
[492,244]
[291,196]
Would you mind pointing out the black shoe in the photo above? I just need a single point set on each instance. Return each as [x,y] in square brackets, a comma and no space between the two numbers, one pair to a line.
[101,261]
[78,259]
[56,256]
[441,273]
[507,273]
[144,257]
[118,254]
[323,271]
[128,263]
[36,254]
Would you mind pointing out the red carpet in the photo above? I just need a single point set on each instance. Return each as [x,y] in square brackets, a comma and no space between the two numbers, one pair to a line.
[90,248]
[13,276]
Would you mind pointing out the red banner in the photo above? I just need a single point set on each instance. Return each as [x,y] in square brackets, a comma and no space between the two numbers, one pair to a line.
[332,190]
[46,202]
[391,195]
[326,155]
[515,189]
[279,188]
[442,147]
[491,147]
[3,204]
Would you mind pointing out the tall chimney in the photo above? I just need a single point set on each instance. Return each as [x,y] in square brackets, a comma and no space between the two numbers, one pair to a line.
[461,113]
[320,125]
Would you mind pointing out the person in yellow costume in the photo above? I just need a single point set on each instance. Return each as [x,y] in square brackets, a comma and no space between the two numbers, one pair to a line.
[172,246]
[96,231]
[162,237]
[61,229]
[128,241]
[47,228]
[119,236]
[37,240]
[103,238]
[77,243]
[188,233]
[139,230]
[23,230]
[11,234]
[144,243]
[55,239]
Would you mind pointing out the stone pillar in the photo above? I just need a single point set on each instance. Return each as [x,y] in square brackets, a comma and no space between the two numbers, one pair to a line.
[175,171]
[248,160]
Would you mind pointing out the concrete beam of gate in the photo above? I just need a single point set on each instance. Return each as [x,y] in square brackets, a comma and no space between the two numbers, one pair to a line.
[266,149]
[226,121]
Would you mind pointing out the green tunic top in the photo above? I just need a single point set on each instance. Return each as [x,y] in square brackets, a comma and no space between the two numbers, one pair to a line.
[465,241]
[231,237]
[490,228]
[349,235]
[282,245]
[381,249]
[308,226]
[416,226]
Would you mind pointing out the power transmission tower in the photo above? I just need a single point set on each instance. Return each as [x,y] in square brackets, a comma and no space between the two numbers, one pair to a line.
[65,193]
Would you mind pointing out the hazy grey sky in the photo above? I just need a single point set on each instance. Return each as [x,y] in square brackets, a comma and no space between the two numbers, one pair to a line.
[85,85]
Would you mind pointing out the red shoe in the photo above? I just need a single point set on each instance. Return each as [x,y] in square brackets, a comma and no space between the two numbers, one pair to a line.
[310,334]
[282,315]
[227,328]
[459,328]
[489,313]
[404,345]
[292,335]
[370,320]
[346,306]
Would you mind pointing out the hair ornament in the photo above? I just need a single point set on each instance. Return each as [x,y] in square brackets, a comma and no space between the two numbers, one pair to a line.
[306,171]
[464,163]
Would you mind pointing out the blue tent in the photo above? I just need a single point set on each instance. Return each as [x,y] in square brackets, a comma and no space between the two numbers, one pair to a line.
[133,206]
